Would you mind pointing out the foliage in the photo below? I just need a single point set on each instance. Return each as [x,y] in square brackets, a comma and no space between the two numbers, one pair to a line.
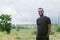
[58,29]
[28,34]
[5,23]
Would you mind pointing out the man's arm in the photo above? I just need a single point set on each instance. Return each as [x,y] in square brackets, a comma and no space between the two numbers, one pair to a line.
[49,26]
[49,29]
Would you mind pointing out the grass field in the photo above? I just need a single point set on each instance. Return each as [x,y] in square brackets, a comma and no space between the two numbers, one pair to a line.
[29,34]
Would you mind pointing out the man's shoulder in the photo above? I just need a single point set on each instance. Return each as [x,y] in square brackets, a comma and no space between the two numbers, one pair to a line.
[38,19]
[46,17]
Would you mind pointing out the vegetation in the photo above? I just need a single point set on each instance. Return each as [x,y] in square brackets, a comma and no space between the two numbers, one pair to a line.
[29,33]
[5,23]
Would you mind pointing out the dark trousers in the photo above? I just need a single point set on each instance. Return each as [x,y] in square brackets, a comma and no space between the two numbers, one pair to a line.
[42,37]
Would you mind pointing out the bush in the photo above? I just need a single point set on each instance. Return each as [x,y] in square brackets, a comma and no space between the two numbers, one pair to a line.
[58,29]
[52,33]
[34,32]
[5,22]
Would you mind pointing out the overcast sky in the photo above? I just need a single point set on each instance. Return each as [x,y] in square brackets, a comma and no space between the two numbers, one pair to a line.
[25,11]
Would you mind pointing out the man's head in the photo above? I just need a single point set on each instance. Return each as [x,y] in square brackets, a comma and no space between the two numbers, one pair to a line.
[40,11]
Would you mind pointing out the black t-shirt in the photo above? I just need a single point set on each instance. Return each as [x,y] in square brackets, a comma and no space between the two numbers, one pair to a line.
[42,25]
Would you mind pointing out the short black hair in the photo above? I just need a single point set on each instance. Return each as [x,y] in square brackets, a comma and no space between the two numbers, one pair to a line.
[40,8]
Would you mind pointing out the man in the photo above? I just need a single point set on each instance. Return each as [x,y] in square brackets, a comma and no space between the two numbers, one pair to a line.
[43,26]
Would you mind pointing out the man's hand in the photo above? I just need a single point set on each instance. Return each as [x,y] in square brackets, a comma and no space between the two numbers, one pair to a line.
[47,35]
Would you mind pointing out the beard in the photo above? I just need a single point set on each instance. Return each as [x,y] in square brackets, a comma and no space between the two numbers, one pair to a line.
[41,15]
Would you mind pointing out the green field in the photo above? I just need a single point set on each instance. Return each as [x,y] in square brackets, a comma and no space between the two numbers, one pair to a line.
[29,33]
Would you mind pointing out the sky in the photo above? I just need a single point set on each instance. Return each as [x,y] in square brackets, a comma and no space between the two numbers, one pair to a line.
[26,11]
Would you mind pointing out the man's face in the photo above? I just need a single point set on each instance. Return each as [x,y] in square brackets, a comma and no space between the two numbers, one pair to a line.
[40,11]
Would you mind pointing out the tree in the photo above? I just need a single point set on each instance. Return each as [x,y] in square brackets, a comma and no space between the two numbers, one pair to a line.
[5,23]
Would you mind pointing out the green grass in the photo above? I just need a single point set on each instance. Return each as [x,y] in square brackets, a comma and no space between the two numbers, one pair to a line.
[28,34]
